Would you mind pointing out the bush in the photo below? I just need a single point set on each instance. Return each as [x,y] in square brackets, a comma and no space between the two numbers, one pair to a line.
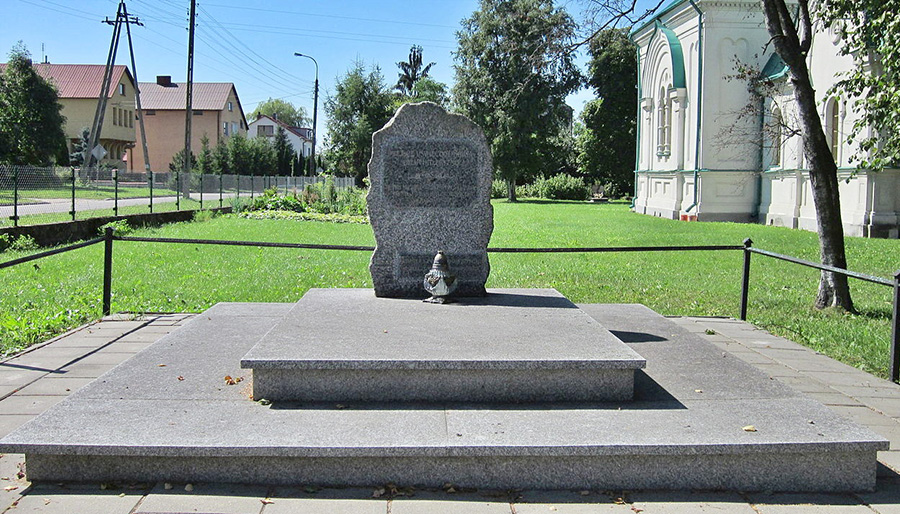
[498,188]
[120,227]
[321,198]
[557,187]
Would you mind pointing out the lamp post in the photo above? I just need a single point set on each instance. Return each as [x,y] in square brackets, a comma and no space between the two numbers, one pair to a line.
[315,112]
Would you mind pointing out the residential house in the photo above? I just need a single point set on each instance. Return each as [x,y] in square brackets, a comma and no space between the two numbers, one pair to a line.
[217,114]
[267,126]
[79,86]
[709,150]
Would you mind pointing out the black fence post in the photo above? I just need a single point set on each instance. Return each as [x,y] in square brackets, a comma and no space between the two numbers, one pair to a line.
[895,331]
[745,279]
[201,191]
[15,216]
[177,191]
[220,190]
[72,212]
[107,270]
[115,175]
[150,174]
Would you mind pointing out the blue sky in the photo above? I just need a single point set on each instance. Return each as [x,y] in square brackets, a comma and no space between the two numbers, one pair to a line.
[248,43]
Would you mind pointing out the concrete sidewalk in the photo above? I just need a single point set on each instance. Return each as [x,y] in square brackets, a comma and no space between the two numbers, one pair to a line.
[45,374]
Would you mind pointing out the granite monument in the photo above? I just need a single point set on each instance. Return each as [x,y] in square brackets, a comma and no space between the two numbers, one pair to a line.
[430,175]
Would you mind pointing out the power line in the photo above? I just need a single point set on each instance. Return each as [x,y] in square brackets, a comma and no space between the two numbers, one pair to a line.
[335,16]
[69,11]
[269,28]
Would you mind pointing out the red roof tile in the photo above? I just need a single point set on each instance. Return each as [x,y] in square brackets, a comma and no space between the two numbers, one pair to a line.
[207,96]
[78,80]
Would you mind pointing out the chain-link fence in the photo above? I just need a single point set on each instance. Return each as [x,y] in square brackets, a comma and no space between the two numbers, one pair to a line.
[31,196]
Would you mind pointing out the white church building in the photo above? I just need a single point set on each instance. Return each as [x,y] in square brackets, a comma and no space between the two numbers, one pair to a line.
[709,151]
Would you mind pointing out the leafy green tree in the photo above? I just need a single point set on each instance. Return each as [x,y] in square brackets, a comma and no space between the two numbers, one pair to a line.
[426,90]
[606,145]
[284,111]
[284,153]
[239,155]
[31,124]
[514,70]
[412,71]
[870,31]
[205,161]
[361,104]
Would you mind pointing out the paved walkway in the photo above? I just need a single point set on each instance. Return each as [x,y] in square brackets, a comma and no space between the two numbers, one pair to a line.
[42,376]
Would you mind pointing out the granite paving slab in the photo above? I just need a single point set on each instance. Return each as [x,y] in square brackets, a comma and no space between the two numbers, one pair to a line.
[675,434]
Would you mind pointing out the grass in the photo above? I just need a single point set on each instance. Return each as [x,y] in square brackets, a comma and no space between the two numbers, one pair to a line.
[54,217]
[65,290]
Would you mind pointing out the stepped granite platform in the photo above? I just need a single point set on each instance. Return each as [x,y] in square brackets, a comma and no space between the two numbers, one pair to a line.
[521,346]
[167,414]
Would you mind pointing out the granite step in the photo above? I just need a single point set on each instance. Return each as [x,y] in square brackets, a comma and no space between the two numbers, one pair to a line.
[511,346]
[699,419]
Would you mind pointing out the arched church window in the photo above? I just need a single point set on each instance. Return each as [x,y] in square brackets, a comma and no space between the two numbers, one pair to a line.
[833,127]
[776,135]
[664,124]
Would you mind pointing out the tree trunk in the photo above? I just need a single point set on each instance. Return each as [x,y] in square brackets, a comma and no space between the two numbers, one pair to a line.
[793,45]
[833,288]
[511,190]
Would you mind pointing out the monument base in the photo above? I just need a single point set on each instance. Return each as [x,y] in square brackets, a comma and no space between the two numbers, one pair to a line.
[515,345]
[168,415]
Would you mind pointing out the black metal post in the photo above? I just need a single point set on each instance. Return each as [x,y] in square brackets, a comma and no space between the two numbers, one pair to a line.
[116,185]
[252,185]
[72,212]
[201,191]
[745,279]
[150,174]
[220,190]
[107,270]
[177,191]
[895,331]
[15,216]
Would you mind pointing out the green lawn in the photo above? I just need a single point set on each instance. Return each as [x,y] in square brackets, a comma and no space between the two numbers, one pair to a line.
[54,217]
[65,290]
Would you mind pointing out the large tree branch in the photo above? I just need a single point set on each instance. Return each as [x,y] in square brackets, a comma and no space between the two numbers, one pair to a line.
[613,14]
[805,27]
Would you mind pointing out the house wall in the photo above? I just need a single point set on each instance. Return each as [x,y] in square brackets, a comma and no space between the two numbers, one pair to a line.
[299,144]
[118,130]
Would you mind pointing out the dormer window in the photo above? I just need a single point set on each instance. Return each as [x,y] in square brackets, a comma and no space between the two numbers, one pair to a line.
[122,89]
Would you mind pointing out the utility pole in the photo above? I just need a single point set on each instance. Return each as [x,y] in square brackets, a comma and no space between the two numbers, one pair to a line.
[122,17]
[312,158]
[189,100]
[137,89]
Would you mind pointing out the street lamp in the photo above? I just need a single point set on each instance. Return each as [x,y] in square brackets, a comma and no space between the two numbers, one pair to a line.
[315,112]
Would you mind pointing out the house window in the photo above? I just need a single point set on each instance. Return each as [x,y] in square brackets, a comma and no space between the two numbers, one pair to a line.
[225,128]
[833,127]
[230,106]
[122,89]
[197,113]
[234,128]
[150,113]
[664,124]
[130,119]
[265,130]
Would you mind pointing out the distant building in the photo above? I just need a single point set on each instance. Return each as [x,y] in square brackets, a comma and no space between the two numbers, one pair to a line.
[79,86]
[267,126]
[217,113]
[701,156]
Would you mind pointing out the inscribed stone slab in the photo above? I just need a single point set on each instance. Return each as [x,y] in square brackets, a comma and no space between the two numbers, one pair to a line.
[430,188]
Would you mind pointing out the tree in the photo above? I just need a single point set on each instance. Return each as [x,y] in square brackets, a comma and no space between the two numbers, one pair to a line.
[411,72]
[792,42]
[284,111]
[221,160]
[177,164]
[513,73]
[284,153]
[870,30]
[426,90]
[606,146]
[361,104]
[205,161]
[76,157]
[31,124]
[239,158]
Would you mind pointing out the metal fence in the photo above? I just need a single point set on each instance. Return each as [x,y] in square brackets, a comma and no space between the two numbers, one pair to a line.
[747,248]
[32,196]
